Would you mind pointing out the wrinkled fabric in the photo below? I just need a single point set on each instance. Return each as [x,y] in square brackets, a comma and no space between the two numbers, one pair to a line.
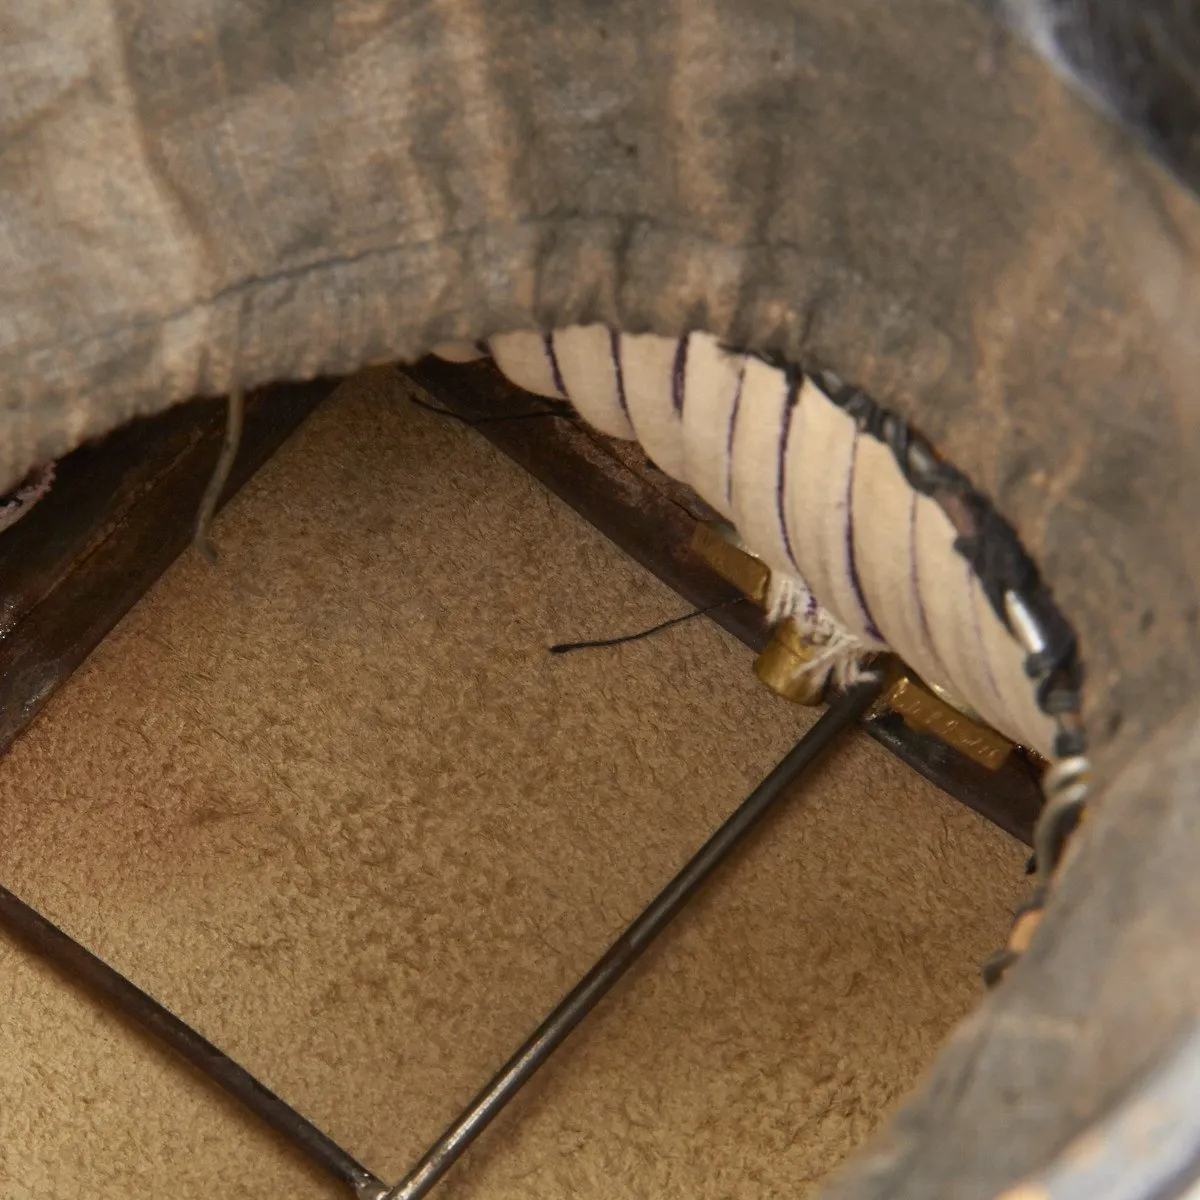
[251,190]
[201,192]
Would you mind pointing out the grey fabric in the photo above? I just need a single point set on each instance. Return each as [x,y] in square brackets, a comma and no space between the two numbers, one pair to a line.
[201,191]
[252,190]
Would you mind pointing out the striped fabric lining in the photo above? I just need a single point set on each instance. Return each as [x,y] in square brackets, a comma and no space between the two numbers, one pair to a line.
[857,556]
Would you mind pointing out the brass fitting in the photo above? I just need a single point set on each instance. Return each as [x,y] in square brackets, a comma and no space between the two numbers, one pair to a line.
[785,666]
[927,713]
[718,546]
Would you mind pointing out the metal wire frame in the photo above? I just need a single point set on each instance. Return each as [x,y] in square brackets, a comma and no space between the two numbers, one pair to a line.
[61,950]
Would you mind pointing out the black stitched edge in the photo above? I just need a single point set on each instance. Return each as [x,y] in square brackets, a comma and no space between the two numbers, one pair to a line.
[795,381]
[987,542]
[679,374]
[990,546]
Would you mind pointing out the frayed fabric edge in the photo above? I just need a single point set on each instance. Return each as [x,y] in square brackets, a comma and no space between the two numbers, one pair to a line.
[841,655]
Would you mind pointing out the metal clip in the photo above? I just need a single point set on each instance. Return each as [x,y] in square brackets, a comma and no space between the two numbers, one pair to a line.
[927,713]
[1024,624]
[719,547]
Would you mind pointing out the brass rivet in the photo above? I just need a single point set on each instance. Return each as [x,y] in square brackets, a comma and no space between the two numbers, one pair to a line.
[750,575]
[785,666]
[926,713]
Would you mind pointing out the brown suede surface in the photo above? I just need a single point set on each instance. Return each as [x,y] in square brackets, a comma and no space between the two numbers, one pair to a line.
[333,803]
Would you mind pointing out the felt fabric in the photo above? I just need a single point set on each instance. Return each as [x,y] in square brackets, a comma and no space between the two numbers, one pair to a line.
[334,803]
[218,190]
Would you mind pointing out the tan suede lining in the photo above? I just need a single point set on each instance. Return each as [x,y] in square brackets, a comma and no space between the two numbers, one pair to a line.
[334,803]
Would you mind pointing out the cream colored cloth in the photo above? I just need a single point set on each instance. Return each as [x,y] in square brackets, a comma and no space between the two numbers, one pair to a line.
[858,557]
[334,803]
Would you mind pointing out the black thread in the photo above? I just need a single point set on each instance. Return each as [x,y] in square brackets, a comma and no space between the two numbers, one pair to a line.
[993,551]
[552,358]
[1069,743]
[679,374]
[996,555]
[896,437]
[991,548]
[988,543]
[603,643]
[795,380]
[733,416]
[868,415]
[614,347]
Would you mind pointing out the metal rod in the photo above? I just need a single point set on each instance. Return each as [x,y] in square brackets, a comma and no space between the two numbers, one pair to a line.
[626,950]
[50,943]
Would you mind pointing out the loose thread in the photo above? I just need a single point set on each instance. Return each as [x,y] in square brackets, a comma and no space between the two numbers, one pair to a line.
[567,647]
[556,409]
[235,414]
